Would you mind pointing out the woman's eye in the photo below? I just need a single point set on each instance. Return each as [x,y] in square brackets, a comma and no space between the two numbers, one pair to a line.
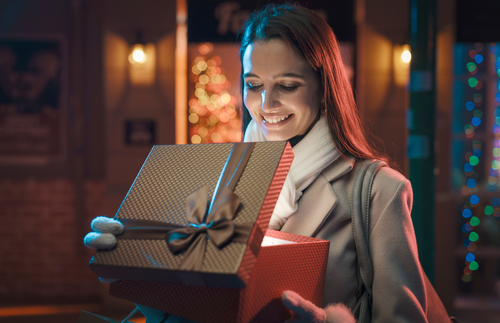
[288,88]
[253,87]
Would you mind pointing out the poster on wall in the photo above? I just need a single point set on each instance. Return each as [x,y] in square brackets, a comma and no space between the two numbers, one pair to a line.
[32,109]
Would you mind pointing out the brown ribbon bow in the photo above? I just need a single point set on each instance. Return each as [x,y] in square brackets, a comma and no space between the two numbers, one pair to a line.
[217,224]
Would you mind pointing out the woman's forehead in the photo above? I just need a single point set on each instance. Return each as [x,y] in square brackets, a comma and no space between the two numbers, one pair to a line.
[273,57]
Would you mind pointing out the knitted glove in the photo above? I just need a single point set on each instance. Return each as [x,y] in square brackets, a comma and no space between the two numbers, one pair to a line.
[307,312]
[103,236]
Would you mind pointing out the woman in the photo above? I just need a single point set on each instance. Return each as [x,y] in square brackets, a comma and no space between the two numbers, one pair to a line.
[295,88]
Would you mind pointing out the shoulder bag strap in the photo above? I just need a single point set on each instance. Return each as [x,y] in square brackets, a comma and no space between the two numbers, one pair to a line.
[360,213]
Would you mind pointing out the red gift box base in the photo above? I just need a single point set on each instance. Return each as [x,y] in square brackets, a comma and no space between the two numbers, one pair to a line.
[299,266]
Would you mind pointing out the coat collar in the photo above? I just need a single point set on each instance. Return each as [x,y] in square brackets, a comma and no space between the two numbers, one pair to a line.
[318,200]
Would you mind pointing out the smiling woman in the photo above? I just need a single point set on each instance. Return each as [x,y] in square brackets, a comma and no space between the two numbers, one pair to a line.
[294,88]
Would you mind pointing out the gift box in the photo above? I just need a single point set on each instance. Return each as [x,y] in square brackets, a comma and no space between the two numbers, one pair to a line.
[195,219]
[290,262]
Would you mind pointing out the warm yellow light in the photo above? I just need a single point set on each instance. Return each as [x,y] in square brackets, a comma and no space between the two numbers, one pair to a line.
[406,56]
[195,139]
[225,98]
[199,93]
[203,100]
[193,118]
[195,70]
[216,137]
[212,120]
[216,79]
[138,55]
[201,65]
[203,131]
[204,79]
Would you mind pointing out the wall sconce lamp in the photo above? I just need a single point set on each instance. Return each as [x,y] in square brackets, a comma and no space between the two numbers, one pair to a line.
[142,62]
[137,54]
[401,62]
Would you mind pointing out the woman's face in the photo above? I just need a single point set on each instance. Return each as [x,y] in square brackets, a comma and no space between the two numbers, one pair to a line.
[282,92]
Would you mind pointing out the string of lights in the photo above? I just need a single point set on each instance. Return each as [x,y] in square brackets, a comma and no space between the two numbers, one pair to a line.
[472,210]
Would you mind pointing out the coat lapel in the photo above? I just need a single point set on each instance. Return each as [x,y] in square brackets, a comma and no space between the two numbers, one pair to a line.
[318,200]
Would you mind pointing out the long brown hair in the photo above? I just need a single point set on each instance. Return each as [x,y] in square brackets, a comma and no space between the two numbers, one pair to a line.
[311,38]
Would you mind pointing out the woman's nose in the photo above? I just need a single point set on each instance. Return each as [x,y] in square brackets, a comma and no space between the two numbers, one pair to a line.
[269,102]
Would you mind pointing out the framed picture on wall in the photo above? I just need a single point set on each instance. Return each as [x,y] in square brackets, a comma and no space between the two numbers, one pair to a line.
[32,99]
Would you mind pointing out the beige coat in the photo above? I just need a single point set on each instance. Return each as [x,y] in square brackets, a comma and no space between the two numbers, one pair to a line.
[324,212]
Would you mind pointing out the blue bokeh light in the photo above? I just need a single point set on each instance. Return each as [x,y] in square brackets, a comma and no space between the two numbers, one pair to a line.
[495,201]
[478,58]
[468,168]
[474,199]
[470,105]
[476,121]
[477,152]
[471,183]
[466,213]
[470,257]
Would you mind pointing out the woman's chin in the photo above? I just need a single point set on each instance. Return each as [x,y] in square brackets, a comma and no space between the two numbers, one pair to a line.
[276,137]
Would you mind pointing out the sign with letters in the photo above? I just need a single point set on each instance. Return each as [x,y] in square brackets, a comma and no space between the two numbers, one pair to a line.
[220,21]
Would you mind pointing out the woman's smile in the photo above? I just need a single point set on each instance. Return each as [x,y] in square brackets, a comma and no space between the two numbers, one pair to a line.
[278,120]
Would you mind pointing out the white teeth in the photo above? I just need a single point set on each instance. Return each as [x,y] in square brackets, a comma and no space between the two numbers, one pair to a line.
[275,119]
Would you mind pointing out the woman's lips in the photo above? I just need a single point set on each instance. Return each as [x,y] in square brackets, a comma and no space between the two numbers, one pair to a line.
[273,121]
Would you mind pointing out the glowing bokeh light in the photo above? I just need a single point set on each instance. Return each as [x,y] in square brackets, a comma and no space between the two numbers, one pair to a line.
[193,118]
[195,139]
[470,105]
[471,66]
[139,56]
[406,56]
[473,82]
[474,221]
[470,257]
[474,199]
[471,183]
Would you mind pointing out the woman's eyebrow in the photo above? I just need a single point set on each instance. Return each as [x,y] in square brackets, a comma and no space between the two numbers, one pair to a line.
[276,76]
[289,75]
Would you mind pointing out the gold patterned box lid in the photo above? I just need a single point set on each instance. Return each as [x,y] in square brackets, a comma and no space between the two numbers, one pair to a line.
[168,176]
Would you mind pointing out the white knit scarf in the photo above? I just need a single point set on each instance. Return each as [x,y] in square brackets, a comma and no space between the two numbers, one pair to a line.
[312,154]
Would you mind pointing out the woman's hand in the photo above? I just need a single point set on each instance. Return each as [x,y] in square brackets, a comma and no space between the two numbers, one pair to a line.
[306,312]
[103,236]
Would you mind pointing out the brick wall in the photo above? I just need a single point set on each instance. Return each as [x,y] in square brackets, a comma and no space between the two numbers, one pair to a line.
[41,258]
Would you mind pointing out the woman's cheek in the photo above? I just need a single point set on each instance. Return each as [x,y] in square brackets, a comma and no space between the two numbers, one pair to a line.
[249,101]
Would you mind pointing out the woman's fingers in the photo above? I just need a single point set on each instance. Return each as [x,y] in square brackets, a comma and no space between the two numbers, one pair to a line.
[304,310]
[97,240]
[104,224]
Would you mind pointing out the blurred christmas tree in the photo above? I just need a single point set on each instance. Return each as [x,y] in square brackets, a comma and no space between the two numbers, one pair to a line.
[213,115]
